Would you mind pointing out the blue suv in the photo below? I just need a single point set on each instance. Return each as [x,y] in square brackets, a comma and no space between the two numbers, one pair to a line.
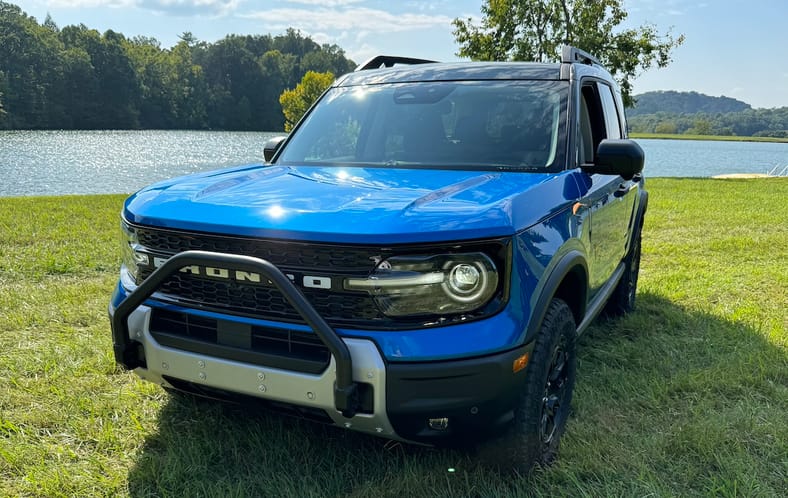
[415,260]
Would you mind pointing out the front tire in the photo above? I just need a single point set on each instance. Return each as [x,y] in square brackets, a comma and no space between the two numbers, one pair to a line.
[543,407]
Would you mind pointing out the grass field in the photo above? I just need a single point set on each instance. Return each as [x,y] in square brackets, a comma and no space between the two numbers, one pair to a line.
[688,396]
[723,138]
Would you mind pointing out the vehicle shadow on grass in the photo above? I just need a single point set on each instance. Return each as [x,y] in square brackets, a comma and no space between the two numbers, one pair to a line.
[638,377]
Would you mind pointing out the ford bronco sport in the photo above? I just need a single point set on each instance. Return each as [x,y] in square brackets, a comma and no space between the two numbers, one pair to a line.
[415,260]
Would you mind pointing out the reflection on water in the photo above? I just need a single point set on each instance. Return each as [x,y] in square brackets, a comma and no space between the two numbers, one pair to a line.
[92,162]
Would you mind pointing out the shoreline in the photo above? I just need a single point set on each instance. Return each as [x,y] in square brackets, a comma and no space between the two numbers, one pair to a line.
[712,138]
[742,175]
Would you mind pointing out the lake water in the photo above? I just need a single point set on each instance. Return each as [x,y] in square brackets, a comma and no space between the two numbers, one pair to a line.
[93,162]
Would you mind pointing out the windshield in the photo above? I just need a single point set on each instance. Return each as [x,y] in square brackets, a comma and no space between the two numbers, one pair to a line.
[500,124]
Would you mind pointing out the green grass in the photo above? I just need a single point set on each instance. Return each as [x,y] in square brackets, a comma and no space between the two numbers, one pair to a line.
[688,396]
[723,138]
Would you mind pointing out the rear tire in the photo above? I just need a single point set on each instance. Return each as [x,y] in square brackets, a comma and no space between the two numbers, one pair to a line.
[622,301]
[543,407]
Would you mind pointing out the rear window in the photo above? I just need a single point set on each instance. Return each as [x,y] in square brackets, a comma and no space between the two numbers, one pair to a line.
[497,124]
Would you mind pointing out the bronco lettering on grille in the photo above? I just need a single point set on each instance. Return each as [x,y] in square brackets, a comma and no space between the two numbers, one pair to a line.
[309,281]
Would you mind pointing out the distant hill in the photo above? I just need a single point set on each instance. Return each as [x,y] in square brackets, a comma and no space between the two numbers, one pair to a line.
[684,103]
[692,113]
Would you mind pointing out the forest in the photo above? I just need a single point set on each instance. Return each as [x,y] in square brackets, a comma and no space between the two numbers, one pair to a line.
[77,78]
[692,113]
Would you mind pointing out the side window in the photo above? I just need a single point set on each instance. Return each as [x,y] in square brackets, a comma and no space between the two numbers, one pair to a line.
[612,124]
[592,123]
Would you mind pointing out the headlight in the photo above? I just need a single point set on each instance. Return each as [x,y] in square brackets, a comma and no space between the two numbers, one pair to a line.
[131,257]
[430,285]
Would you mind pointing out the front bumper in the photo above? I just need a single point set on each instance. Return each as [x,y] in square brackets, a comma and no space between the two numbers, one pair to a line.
[475,397]
[170,367]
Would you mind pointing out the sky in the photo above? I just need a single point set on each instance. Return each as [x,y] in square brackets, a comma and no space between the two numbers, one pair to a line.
[733,48]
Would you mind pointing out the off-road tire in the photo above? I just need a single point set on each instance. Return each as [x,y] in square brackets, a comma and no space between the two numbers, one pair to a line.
[543,407]
[622,301]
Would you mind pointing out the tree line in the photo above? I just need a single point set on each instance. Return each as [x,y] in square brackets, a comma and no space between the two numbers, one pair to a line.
[693,113]
[77,78]
[748,123]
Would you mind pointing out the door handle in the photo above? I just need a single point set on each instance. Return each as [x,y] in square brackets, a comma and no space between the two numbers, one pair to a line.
[622,190]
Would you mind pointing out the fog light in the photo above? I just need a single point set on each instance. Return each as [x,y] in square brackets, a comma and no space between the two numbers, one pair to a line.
[438,424]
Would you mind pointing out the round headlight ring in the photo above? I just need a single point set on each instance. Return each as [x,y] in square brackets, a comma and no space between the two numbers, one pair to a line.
[469,281]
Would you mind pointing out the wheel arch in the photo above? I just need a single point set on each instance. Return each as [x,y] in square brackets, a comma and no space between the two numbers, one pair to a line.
[568,281]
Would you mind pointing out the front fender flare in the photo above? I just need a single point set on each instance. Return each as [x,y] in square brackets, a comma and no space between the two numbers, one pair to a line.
[572,261]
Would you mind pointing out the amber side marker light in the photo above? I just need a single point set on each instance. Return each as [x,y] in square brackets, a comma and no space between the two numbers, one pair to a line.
[520,363]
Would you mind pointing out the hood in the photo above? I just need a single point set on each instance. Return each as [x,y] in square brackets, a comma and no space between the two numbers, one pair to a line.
[351,205]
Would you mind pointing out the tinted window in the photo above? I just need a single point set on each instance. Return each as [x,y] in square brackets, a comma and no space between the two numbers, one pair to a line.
[514,124]
[611,114]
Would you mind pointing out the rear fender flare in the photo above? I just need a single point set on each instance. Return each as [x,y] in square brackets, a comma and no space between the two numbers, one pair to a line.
[637,222]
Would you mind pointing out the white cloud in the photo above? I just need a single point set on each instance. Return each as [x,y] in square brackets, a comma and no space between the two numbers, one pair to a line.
[174,7]
[360,18]
[426,6]
[325,3]
[190,7]
[322,38]
[90,3]
[363,53]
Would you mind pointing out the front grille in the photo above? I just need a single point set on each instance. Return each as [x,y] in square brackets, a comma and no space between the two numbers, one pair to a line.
[265,346]
[267,302]
[280,253]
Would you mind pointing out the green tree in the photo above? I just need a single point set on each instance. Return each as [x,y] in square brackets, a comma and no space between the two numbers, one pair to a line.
[29,60]
[190,91]
[75,77]
[296,102]
[666,127]
[536,30]
[702,127]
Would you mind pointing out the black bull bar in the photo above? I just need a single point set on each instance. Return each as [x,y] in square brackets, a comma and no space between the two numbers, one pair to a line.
[345,390]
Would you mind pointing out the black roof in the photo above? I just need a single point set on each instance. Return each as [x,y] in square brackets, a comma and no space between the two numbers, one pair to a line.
[454,71]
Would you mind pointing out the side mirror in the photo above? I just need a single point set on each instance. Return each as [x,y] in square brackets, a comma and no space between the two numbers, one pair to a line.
[618,157]
[271,146]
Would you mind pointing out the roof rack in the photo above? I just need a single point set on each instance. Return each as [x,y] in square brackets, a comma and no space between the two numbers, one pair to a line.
[388,61]
[572,54]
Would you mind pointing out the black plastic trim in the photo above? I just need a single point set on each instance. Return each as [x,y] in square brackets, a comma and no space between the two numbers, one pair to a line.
[571,55]
[477,395]
[565,265]
[389,61]
[639,216]
[241,355]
